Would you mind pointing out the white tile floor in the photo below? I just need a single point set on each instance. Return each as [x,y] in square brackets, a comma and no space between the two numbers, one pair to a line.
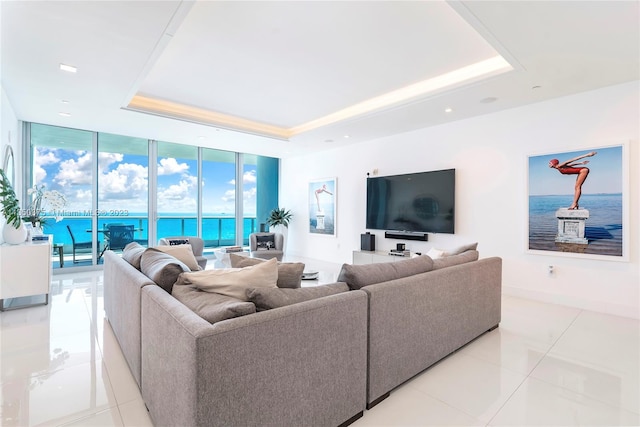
[545,365]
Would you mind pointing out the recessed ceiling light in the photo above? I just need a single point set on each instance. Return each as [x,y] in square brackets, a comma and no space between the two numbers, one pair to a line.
[347,136]
[64,101]
[489,100]
[328,140]
[448,110]
[64,114]
[201,137]
[69,68]
[536,87]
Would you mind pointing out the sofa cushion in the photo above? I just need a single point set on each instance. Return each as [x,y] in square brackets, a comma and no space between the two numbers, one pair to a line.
[463,248]
[448,261]
[173,242]
[268,298]
[161,267]
[357,276]
[289,273]
[132,253]
[234,282]
[265,242]
[210,306]
[183,252]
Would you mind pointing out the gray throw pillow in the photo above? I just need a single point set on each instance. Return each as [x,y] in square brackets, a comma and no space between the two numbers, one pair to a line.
[266,299]
[448,261]
[357,276]
[210,306]
[162,268]
[132,253]
[289,273]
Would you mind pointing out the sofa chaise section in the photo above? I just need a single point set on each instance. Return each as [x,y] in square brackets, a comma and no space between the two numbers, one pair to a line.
[303,364]
[416,321]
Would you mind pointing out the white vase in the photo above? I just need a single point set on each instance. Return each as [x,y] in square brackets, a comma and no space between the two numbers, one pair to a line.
[282,230]
[13,235]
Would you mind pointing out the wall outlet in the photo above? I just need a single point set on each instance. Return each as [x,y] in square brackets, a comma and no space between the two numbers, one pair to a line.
[551,270]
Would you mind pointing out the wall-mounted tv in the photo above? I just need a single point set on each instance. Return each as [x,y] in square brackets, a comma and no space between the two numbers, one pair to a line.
[416,202]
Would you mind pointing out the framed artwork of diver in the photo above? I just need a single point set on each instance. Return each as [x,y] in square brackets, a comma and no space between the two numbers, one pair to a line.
[322,206]
[578,202]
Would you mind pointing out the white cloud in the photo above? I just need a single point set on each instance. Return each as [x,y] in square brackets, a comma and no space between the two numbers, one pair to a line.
[229,196]
[170,166]
[249,177]
[43,156]
[128,181]
[107,159]
[75,172]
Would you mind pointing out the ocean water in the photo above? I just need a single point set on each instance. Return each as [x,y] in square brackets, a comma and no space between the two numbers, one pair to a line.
[217,230]
[603,228]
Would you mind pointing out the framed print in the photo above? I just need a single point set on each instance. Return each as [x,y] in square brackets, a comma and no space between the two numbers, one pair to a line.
[578,201]
[322,206]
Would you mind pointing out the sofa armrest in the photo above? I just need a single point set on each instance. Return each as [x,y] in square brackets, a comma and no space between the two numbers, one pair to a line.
[303,364]
[122,285]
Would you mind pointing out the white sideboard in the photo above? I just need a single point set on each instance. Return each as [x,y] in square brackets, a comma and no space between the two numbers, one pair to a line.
[372,257]
[25,270]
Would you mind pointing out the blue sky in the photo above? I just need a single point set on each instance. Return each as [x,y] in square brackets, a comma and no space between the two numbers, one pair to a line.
[605,174]
[123,182]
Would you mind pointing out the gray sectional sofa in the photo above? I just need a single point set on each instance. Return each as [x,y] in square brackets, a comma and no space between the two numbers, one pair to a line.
[421,310]
[302,364]
[310,356]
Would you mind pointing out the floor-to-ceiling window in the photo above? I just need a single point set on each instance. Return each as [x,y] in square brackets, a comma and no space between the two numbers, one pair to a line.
[159,188]
[218,198]
[62,160]
[123,186]
[177,190]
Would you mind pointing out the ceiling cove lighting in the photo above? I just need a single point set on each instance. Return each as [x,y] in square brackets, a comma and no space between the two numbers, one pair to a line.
[68,68]
[465,75]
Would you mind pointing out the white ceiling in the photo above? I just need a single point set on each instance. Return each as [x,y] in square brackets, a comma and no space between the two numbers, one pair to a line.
[283,64]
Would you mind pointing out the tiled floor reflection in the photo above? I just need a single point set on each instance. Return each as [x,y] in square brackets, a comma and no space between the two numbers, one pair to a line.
[545,365]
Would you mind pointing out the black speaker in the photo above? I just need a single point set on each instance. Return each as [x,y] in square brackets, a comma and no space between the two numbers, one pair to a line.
[368,242]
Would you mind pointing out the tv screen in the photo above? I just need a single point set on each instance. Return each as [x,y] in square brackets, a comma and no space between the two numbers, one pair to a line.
[418,202]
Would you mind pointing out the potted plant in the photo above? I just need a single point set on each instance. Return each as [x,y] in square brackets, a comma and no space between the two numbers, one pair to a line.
[14,231]
[278,222]
[279,217]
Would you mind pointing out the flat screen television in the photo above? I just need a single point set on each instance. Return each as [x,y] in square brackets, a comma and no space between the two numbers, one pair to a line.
[416,202]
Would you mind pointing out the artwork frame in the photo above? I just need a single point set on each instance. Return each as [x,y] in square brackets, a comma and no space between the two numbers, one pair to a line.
[599,227]
[323,194]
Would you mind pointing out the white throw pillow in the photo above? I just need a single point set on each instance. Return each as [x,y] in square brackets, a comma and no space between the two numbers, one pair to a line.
[234,282]
[183,253]
[435,253]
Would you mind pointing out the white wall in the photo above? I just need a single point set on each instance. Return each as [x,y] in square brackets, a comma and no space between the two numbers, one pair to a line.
[489,154]
[9,135]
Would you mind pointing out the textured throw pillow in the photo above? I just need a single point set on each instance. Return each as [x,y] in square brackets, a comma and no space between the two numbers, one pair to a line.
[435,253]
[210,306]
[268,298]
[234,282]
[184,253]
[132,253]
[289,273]
[162,268]
[448,261]
[463,248]
[357,276]
[173,242]
[265,242]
